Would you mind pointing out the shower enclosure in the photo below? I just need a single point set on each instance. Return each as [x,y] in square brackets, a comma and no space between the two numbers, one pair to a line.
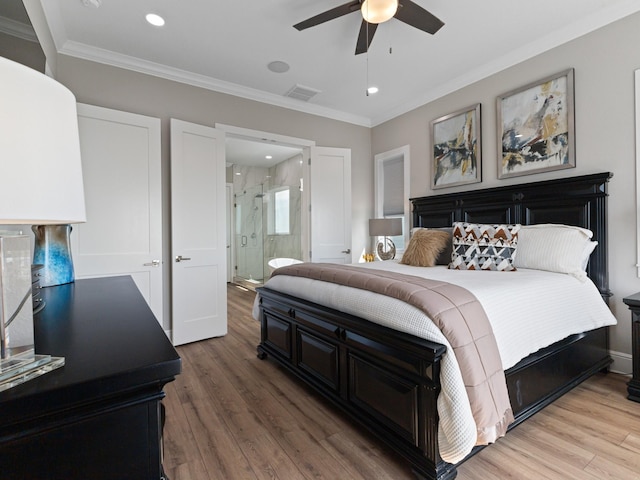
[268,218]
[249,235]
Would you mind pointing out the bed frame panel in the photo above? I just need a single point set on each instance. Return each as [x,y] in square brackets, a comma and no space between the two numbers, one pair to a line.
[388,381]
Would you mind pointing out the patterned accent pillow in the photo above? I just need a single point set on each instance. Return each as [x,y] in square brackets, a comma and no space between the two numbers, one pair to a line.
[484,247]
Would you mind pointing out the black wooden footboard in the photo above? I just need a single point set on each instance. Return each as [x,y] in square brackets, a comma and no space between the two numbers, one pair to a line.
[386,380]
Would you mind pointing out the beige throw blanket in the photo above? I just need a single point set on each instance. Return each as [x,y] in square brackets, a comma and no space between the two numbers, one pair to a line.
[462,320]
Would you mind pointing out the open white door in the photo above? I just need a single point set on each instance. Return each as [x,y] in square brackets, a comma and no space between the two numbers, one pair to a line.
[121,166]
[198,232]
[330,189]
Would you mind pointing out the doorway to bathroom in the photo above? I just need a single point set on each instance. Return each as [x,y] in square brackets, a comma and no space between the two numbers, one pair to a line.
[267,183]
[291,173]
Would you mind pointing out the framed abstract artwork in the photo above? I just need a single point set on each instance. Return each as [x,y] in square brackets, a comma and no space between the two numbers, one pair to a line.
[536,127]
[456,148]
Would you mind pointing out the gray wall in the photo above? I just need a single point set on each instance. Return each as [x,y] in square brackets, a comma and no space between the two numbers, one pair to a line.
[110,87]
[604,63]
[22,51]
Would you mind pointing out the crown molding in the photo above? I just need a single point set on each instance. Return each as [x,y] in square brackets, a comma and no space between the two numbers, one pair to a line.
[107,57]
[18,29]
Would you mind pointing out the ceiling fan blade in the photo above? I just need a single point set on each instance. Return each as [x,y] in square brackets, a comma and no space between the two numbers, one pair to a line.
[416,16]
[329,15]
[362,45]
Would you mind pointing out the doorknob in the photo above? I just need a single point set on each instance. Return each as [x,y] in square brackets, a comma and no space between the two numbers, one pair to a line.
[152,263]
[180,258]
[347,251]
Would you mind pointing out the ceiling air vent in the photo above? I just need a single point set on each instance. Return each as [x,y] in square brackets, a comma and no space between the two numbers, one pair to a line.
[300,92]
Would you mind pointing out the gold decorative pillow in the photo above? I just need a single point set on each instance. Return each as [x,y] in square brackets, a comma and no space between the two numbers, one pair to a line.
[424,247]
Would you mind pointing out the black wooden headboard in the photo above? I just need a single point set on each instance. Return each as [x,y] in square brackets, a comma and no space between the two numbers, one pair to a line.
[579,201]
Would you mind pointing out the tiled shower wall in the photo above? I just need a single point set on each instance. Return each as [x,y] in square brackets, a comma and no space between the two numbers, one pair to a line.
[287,173]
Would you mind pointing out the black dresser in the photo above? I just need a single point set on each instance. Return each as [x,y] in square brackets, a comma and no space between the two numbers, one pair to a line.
[100,415]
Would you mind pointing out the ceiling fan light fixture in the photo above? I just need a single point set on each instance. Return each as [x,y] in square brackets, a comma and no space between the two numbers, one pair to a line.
[378,11]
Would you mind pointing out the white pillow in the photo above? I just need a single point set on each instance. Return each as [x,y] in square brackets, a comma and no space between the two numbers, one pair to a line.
[556,248]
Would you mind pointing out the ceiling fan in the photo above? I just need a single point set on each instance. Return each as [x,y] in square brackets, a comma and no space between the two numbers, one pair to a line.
[375,12]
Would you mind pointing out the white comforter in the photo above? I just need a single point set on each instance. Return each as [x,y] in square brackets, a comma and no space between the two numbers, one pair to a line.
[528,310]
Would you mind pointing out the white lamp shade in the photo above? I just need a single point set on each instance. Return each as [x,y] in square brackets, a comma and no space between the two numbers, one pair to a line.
[40,166]
[385,227]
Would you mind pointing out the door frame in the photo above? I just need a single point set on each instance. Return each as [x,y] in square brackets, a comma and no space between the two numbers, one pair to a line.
[302,143]
[231,258]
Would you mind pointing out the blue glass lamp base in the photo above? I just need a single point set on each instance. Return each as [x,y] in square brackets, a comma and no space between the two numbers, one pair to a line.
[53,250]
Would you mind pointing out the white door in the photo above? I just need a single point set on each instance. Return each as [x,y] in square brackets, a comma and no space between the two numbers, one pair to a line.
[121,166]
[330,187]
[198,232]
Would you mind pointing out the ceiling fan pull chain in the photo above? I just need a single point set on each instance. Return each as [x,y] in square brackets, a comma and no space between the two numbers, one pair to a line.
[367,89]
[367,27]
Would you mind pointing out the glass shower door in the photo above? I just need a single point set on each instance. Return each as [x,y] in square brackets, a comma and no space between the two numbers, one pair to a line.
[249,235]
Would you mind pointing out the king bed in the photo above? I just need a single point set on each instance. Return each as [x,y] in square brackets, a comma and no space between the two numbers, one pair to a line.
[382,361]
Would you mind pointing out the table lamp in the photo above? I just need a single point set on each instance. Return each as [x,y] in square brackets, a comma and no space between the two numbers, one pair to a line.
[40,184]
[385,227]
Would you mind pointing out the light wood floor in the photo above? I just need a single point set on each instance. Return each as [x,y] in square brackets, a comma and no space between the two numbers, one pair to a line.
[232,416]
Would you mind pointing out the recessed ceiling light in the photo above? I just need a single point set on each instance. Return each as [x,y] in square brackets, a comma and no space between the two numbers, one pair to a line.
[155,20]
[372,90]
[268,157]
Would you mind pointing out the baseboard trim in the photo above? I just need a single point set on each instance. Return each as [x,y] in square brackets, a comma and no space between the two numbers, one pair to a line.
[622,363]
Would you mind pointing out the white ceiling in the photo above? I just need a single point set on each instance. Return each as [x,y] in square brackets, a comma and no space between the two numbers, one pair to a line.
[248,152]
[226,46]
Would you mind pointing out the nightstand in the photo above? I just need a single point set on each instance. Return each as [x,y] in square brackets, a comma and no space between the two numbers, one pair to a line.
[633,387]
